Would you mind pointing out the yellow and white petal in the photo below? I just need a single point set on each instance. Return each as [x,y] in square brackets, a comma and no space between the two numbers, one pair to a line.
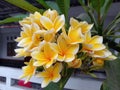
[111,57]
[56,77]
[69,57]
[73,49]
[96,39]
[48,36]
[58,67]
[97,47]
[45,82]
[61,58]
[21,52]
[59,23]
[87,37]
[98,62]
[85,27]
[49,63]
[46,22]
[38,55]
[102,53]
[76,63]
[24,42]
[73,22]
[62,44]
[52,14]
[39,63]
[42,74]
[75,35]
[49,52]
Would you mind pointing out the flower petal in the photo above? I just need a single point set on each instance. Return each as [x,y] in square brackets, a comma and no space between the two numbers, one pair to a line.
[39,63]
[49,63]
[49,52]
[42,74]
[69,57]
[24,42]
[58,67]
[60,58]
[46,22]
[45,82]
[59,22]
[75,35]
[73,49]
[62,44]
[73,22]
[97,39]
[98,47]
[102,53]
[48,36]
[56,77]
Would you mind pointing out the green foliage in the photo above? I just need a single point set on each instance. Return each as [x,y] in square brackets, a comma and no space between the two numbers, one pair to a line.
[53,5]
[25,5]
[113,75]
[64,6]
[12,19]
[43,3]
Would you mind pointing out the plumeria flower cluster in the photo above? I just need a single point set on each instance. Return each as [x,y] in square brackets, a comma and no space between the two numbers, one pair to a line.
[51,46]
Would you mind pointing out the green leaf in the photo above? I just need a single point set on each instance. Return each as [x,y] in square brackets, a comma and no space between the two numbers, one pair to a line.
[12,19]
[104,86]
[64,6]
[43,3]
[112,69]
[113,24]
[97,4]
[24,5]
[105,7]
[53,5]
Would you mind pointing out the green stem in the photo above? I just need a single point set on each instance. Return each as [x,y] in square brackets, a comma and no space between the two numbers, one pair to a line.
[66,78]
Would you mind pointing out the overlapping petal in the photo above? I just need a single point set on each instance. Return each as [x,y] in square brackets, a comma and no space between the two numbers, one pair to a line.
[66,51]
[55,25]
[21,52]
[93,43]
[51,74]
[28,71]
[85,27]
[46,57]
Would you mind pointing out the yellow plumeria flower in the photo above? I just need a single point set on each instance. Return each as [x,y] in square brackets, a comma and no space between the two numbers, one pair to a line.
[51,74]
[98,62]
[85,27]
[101,53]
[93,43]
[74,35]
[105,54]
[28,36]
[33,18]
[76,63]
[111,57]
[101,56]
[46,57]
[66,51]
[55,25]
[51,14]
[28,71]
[21,52]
